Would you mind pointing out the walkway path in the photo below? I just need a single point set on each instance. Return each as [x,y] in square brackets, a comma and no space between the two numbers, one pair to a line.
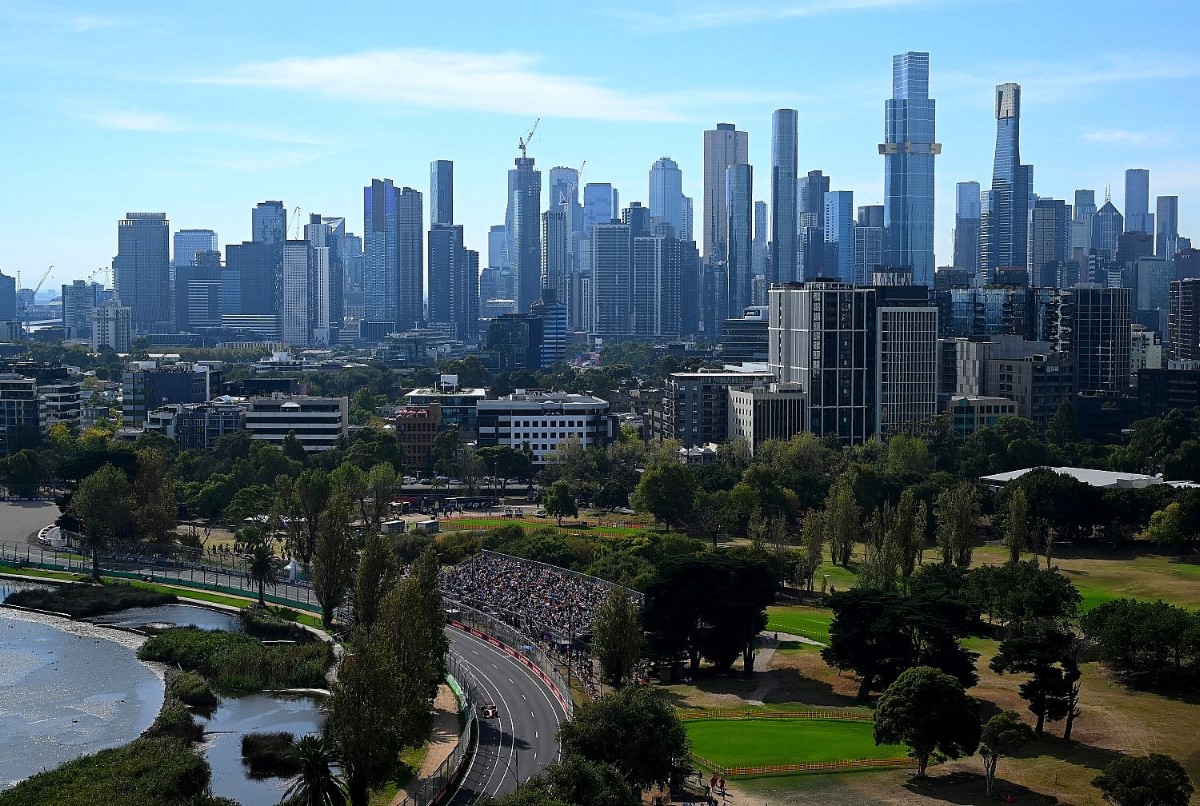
[446,728]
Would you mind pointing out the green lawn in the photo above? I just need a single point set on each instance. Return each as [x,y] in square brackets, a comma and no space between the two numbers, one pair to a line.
[803,620]
[751,742]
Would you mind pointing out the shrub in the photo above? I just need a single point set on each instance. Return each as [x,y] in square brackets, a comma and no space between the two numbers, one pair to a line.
[192,689]
[270,754]
[175,721]
[268,626]
[81,601]
[239,663]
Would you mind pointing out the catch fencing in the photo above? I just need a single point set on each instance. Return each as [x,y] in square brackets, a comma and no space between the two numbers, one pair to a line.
[440,784]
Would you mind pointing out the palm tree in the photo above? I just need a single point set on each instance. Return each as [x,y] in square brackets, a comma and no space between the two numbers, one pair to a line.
[262,569]
[316,784]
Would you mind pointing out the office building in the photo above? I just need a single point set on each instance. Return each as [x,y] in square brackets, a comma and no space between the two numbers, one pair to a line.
[785,212]
[441,192]
[196,301]
[22,417]
[638,219]
[8,298]
[666,194]
[724,147]
[395,261]
[739,235]
[838,229]
[1175,387]
[497,247]
[766,411]
[970,413]
[760,251]
[744,338]
[112,327]
[686,232]
[543,423]
[459,406]
[1038,383]
[810,238]
[1005,228]
[1082,213]
[524,230]
[908,150]
[655,303]
[318,422]
[564,193]
[555,338]
[253,273]
[1166,240]
[822,336]
[293,315]
[189,243]
[695,405]
[1094,328]
[601,205]
[1107,226]
[906,359]
[268,222]
[1138,217]
[142,271]
[1183,330]
[869,243]
[148,385]
[968,217]
[79,300]
[514,342]
[1049,240]
[453,282]
[611,260]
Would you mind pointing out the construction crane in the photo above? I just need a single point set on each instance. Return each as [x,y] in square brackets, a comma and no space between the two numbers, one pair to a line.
[523,142]
[563,197]
[296,228]
[37,288]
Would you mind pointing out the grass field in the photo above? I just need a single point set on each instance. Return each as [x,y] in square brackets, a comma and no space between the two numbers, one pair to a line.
[751,742]
[804,620]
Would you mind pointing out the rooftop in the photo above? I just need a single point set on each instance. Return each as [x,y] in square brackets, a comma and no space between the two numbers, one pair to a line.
[1094,478]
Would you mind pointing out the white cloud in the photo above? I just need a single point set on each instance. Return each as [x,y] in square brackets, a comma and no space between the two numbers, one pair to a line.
[262,161]
[507,83]
[130,120]
[82,23]
[1124,137]
[691,16]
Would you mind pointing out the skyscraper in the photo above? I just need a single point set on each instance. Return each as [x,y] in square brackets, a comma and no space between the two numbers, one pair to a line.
[1138,217]
[739,236]
[1107,226]
[611,279]
[760,259]
[497,249]
[190,242]
[1049,240]
[324,281]
[686,233]
[8,299]
[78,305]
[601,205]
[453,282]
[1166,241]
[724,146]
[525,230]
[967,217]
[395,260]
[441,192]
[784,211]
[1081,220]
[555,250]
[142,269]
[908,151]
[293,314]
[564,194]
[268,222]
[655,283]
[868,243]
[810,245]
[838,228]
[1005,240]
[666,194]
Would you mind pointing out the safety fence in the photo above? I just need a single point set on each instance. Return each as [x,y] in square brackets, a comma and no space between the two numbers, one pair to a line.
[131,566]
[748,713]
[440,784]
[808,766]
[515,645]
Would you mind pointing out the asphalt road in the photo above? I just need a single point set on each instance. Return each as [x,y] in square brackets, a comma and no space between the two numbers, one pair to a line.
[20,519]
[520,741]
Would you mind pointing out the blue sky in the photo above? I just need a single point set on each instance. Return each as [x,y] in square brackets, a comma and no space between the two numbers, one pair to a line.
[202,110]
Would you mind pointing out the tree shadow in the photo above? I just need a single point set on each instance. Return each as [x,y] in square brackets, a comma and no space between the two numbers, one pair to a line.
[1076,753]
[792,686]
[968,789]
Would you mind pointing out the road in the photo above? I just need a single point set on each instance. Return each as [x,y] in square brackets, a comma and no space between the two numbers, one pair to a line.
[20,519]
[520,741]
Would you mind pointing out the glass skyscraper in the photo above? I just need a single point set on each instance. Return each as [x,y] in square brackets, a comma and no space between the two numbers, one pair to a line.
[1138,217]
[441,192]
[724,147]
[142,269]
[967,216]
[524,221]
[838,227]
[739,196]
[1005,236]
[784,212]
[666,194]
[908,151]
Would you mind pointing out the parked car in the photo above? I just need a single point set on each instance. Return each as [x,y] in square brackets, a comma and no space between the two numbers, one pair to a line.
[539,513]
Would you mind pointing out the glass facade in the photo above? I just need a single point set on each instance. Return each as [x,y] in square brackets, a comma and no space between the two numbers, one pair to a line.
[1006,220]
[784,212]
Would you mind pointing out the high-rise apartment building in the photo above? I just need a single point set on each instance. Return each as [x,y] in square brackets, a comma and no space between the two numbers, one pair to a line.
[657,268]
[906,358]
[1005,232]
[556,249]
[909,149]
[968,216]
[1138,217]
[1049,240]
[112,326]
[188,243]
[760,248]
[453,282]
[497,249]
[1166,241]
[611,248]
[1183,331]
[810,239]
[666,194]
[395,262]
[739,235]
[838,228]
[142,269]
[293,313]
[79,301]
[822,336]
[525,230]
[784,186]
[441,192]
[686,232]
[869,242]
[724,147]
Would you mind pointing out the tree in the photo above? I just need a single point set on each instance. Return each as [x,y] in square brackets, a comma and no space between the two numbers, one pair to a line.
[618,638]
[1047,655]
[316,784]
[666,492]
[103,503]
[635,730]
[363,721]
[812,542]
[381,483]
[957,514]
[867,636]
[1153,780]
[374,579]
[413,617]
[843,519]
[1002,734]
[248,502]
[559,502]
[928,710]
[293,449]
[1016,525]
[1062,428]
[506,463]
[575,781]
[22,473]
[305,500]
[155,510]
[333,555]
[262,569]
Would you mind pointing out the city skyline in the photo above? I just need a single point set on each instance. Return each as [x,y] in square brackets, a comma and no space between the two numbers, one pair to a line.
[210,115]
